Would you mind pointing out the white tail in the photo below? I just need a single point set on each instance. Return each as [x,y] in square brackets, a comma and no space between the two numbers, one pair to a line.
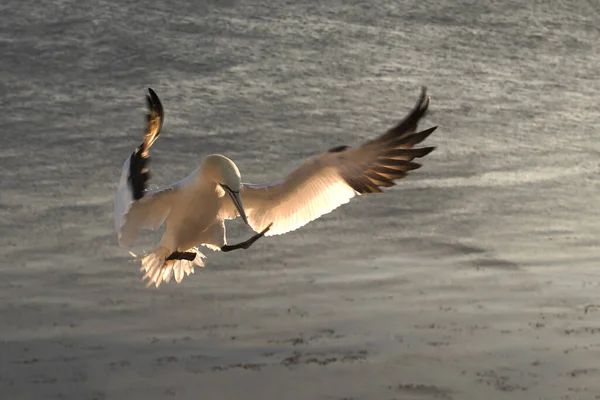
[157,270]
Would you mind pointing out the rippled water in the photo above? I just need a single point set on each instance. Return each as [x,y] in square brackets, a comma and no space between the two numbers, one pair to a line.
[500,225]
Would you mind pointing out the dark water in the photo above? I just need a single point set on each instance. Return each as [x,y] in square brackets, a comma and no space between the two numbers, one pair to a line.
[511,189]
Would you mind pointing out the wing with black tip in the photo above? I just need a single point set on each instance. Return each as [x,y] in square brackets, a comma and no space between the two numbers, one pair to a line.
[325,182]
[136,207]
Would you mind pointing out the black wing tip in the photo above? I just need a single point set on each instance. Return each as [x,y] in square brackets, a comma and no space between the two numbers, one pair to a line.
[423,95]
[411,139]
[138,173]
[154,102]
[427,131]
[411,166]
[422,135]
[391,169]
[423,102]
[422,152]
[155,108]
[409,123]
[419,110]
[153,96]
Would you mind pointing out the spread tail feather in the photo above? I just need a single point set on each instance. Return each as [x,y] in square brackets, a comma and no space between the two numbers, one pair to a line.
[157,270]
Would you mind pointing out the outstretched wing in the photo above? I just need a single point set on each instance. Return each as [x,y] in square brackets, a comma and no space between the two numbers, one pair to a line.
[328,180]
[136,207]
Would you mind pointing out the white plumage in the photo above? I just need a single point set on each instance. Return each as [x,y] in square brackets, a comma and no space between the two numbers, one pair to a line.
[309,192]
[196,207]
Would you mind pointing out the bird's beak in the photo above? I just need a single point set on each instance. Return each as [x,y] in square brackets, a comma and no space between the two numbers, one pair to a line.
[237,201]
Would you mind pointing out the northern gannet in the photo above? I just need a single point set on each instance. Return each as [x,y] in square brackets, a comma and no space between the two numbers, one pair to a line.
[195,208]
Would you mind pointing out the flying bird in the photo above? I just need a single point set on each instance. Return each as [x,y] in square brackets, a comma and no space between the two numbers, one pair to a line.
[195,208]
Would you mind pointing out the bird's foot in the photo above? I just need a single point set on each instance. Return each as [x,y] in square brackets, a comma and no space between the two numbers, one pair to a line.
[159,268]
[182,255]
[247,243]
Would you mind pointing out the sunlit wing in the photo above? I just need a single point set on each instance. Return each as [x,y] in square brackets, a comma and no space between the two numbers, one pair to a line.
[136,207]
[328,180]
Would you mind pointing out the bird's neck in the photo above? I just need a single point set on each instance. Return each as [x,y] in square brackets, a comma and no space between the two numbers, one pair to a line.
[198,180]
[209,186]
[214,187]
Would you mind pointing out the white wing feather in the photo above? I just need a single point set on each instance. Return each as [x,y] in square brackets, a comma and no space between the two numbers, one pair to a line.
[152,206]
[311,191]
[329,180]
[147,213]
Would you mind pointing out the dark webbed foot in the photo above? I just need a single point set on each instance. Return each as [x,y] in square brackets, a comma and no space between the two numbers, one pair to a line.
[182,255]
[247,243]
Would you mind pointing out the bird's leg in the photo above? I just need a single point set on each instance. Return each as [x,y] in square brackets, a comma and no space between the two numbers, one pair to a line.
[182,255]
[247,243]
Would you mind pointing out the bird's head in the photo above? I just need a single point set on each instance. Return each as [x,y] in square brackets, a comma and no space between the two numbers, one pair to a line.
[226,175]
